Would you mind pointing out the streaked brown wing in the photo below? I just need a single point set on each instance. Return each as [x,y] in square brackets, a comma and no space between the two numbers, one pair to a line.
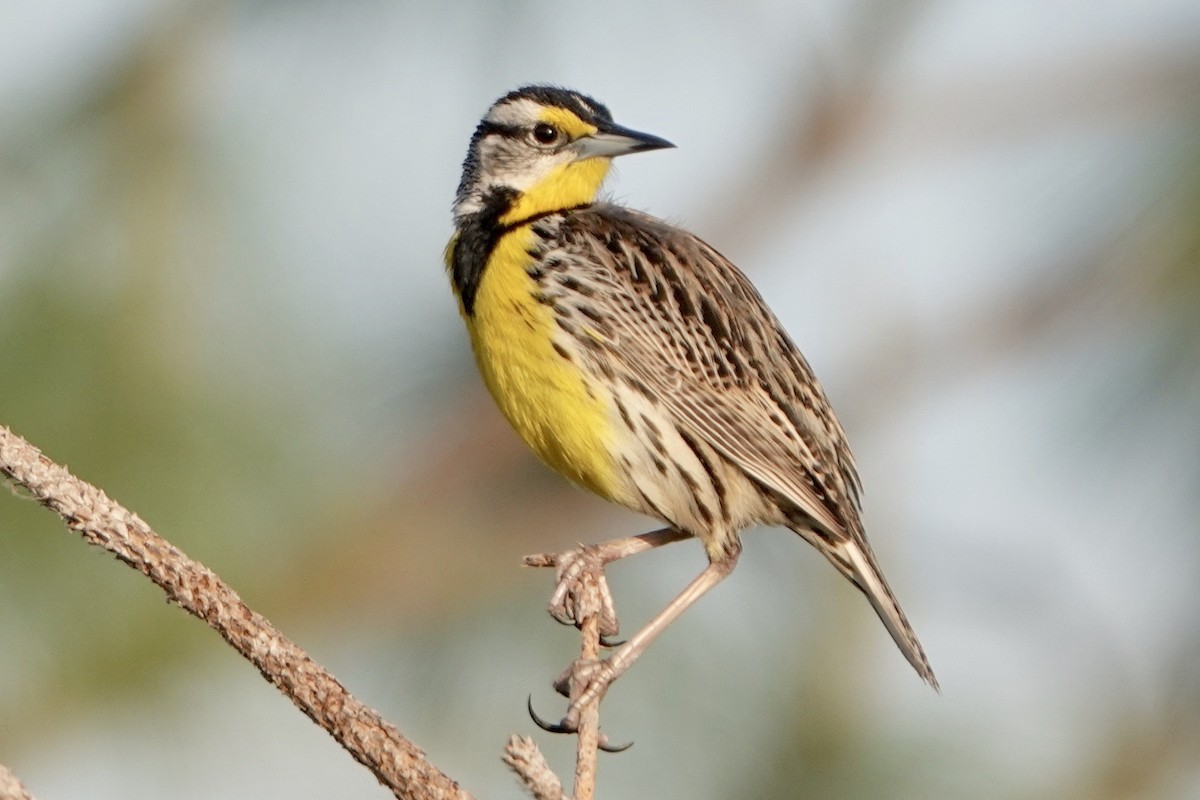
[686,323]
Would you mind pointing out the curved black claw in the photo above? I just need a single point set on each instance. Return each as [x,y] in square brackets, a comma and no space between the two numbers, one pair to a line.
[563,727]
[606,642]
[549,727]
[613,748]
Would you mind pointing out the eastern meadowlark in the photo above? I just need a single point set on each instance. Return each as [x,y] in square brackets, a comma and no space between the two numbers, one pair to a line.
[640,363]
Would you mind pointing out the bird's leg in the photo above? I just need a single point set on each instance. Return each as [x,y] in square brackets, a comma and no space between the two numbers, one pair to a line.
[587,681]
[570,566]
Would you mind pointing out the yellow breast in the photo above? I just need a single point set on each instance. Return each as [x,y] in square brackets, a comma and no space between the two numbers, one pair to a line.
[544,396]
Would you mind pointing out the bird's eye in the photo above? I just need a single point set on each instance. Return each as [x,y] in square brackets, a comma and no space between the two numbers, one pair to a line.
[546,134]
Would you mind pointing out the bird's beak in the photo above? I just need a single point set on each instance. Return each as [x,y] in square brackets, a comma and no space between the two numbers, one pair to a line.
[614,140]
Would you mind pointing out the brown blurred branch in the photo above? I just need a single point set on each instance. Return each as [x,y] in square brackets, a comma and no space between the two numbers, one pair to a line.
[10,786]
[844,113]
[396,762]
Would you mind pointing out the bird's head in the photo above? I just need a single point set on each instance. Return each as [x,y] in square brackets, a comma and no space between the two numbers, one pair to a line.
[541,149]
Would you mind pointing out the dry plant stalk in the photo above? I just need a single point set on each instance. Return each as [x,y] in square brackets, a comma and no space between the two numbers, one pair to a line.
[590,605]
[524,758]
[10,786]
[399,764]
[589,718]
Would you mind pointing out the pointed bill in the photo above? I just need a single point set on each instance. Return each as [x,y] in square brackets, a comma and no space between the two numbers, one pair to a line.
[615,140]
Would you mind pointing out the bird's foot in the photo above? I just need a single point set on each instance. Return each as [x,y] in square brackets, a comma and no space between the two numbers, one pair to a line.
[584,682]
[580,590]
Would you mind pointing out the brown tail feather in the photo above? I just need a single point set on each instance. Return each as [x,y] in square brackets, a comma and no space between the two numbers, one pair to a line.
[857,563]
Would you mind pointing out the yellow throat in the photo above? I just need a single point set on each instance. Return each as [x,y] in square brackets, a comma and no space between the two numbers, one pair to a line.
[547,399]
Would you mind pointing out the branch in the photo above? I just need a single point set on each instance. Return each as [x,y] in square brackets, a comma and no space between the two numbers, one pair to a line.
[524,758]
[589,717]
[397,763]
[582,596]
[10,786]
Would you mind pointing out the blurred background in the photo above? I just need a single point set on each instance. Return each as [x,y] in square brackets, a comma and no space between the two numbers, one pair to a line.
[222,301]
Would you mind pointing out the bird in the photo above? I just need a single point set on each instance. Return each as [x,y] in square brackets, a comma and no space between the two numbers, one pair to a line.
[641,364]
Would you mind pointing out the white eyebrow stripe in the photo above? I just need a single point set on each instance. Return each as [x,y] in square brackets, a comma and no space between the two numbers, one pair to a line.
[515,113]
